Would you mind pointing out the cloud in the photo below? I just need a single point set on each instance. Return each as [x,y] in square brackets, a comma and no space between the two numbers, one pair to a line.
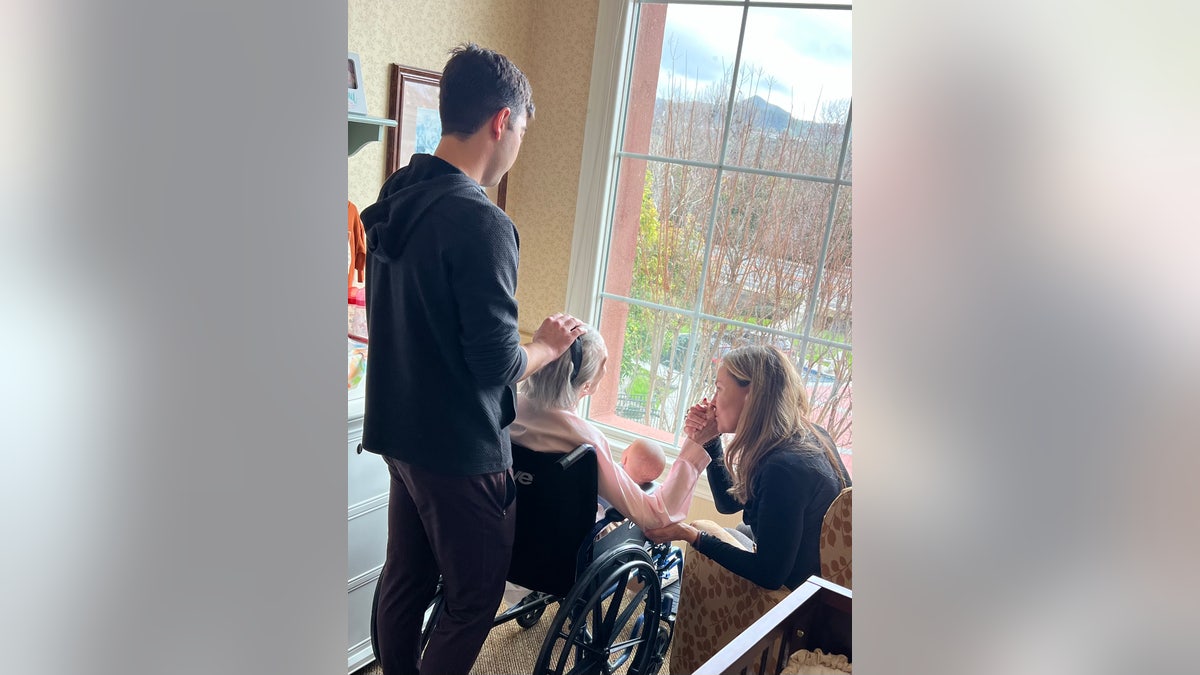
[804,56]
[689,54]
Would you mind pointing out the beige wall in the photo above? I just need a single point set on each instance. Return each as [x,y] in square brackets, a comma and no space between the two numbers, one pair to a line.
[552,42]
[419,33]
[703,509]
[544,185]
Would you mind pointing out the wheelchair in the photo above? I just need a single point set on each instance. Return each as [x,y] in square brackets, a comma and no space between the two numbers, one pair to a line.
[617,592]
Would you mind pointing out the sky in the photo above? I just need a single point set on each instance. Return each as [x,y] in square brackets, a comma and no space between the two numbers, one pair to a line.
[806,52]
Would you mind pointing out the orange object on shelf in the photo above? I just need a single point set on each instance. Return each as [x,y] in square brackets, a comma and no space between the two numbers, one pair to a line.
[357,239]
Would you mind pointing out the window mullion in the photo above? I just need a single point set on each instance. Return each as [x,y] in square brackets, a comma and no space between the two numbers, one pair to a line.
[689,357]
[819,272]
[621,154]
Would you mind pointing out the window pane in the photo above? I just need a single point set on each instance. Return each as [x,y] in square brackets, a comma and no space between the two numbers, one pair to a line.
[645,369]
[656,246]
[826,372]
[832,321]
[793,91]
[765,248]
[679,90]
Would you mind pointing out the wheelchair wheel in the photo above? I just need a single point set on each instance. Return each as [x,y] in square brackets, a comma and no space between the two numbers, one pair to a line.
[529,619]
[431,617]
[608,623]
[661,645]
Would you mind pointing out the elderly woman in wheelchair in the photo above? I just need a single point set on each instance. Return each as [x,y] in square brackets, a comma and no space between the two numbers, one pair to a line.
[547,422]
[615,588]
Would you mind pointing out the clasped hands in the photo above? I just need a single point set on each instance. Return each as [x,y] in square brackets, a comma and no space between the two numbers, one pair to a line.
[700,426]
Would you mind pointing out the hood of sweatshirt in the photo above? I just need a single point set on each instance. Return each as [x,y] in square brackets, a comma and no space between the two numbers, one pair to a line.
[390,222]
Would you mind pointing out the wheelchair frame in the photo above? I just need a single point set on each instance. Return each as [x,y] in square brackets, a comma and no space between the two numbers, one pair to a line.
[621,567]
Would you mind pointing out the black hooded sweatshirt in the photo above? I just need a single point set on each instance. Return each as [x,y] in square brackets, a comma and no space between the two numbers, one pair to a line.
[442,322]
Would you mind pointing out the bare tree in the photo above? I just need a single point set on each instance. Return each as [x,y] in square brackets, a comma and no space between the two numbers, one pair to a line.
[764,261]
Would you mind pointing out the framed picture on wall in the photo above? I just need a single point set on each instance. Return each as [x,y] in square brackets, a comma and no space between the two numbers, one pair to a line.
[356,99]
[413,103]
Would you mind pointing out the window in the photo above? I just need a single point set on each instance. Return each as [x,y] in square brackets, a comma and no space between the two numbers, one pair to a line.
[722,206]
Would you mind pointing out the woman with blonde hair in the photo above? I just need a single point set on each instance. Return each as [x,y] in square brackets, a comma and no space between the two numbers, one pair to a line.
[781,470]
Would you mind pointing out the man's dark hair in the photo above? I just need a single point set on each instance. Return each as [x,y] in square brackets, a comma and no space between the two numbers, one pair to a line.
[476,84]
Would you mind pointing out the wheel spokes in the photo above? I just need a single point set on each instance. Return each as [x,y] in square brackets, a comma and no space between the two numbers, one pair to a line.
[588,637]
[614,605]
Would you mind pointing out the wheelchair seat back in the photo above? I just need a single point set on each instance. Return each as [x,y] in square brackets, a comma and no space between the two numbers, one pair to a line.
[556,511]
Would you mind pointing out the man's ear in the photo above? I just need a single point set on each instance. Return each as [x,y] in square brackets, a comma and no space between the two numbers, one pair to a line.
[500,122]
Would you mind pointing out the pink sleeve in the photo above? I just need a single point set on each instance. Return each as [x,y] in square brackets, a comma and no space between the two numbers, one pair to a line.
[668,504]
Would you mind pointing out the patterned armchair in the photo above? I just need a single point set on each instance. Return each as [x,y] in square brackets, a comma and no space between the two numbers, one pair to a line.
[716,605]
[836,561]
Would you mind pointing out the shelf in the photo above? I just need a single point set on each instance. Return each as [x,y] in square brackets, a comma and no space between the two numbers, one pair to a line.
[366,129]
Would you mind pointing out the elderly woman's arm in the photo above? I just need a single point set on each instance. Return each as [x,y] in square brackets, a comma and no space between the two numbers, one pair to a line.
[668,504]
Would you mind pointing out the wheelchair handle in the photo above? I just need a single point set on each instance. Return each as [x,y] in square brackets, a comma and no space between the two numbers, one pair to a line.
[573,456]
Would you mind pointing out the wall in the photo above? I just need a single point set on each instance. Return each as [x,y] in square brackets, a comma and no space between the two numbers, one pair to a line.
[544,186]
[551,41]
[419,33]
[705,509]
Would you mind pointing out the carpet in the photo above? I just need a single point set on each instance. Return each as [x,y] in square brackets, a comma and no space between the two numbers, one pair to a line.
[512,650]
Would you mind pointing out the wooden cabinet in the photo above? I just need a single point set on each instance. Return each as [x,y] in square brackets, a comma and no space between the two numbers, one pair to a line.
[366,535]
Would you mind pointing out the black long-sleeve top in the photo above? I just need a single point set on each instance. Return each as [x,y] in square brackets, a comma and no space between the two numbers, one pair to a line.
[792,489]
[445,351]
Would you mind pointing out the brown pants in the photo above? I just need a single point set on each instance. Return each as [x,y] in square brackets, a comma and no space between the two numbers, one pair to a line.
[460,527]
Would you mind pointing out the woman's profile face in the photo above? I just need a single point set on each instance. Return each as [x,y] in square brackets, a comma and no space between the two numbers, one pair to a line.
[729,400]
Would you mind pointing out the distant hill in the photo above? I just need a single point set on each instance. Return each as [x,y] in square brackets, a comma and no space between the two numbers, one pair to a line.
[765,115]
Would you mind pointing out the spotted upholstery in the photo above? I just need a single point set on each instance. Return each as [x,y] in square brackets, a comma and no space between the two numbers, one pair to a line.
[836,540]
[714,605]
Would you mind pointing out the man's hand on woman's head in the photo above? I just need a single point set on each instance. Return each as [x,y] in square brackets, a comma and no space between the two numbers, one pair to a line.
[558,331]
[550,340]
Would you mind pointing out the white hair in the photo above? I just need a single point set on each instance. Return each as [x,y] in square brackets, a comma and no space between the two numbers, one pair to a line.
[551,386]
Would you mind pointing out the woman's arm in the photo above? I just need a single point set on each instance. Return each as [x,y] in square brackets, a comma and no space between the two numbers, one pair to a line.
[720,480]
[668,504]
[778,533]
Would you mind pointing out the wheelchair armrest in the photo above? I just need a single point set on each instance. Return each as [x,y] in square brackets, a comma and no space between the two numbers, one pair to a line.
[612,515]
[574,455]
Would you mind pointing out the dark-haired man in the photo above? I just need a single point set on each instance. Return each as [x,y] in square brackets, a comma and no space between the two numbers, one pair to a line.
[445,354]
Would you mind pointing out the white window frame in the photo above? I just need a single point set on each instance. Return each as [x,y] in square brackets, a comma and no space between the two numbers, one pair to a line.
[610,69]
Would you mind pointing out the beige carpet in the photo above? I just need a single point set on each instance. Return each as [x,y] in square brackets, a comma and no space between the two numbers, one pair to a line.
[512,650]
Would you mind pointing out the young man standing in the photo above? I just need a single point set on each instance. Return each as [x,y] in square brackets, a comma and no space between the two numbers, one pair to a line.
[445,354]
